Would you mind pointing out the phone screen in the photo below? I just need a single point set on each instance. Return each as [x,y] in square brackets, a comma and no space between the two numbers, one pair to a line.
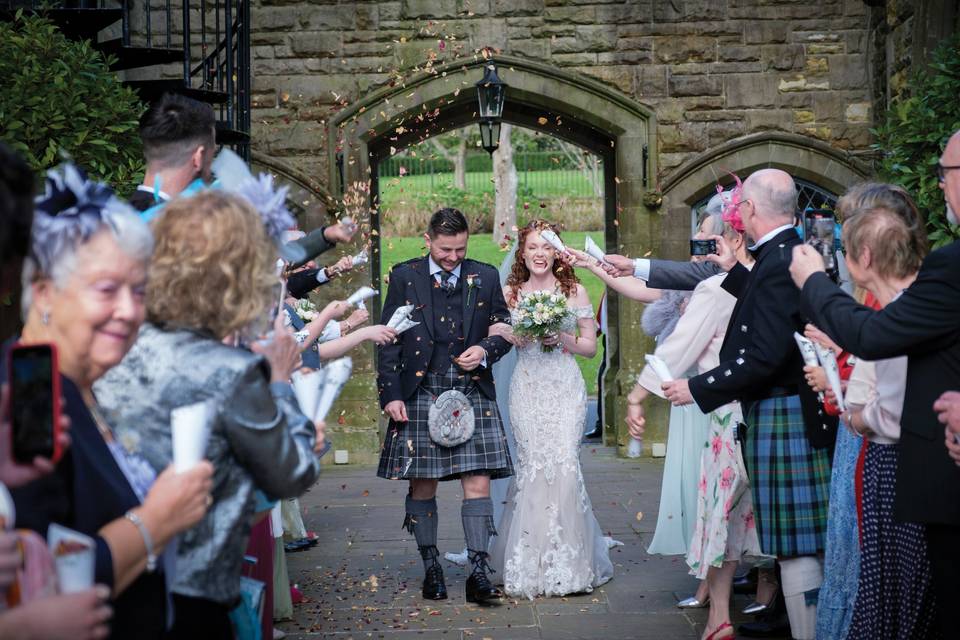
[818,231]
[31,403]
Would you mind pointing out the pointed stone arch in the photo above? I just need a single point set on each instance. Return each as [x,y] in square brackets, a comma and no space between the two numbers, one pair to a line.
[549,99]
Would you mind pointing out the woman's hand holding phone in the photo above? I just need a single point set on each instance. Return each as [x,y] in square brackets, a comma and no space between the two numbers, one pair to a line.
[12,473]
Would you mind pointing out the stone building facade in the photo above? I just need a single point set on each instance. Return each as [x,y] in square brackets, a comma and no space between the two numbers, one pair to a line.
[676,91]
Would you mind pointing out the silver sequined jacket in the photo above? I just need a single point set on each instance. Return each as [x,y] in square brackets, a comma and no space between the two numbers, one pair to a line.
[259,440]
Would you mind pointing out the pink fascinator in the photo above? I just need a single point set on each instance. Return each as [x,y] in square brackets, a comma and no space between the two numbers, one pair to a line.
[731,204]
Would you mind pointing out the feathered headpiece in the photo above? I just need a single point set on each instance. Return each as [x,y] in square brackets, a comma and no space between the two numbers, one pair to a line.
[234,175]
[731,204]
[71,209]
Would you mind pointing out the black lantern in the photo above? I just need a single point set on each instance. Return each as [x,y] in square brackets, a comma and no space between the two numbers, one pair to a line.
[490,95]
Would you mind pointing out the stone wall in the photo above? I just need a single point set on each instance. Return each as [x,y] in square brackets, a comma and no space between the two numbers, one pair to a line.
[710,71]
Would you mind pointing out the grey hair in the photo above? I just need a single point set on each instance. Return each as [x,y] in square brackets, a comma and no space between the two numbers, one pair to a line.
[57,260]
[713,215]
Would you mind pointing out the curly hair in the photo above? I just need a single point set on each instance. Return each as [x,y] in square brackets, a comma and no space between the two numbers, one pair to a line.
[213,267]
[519,273]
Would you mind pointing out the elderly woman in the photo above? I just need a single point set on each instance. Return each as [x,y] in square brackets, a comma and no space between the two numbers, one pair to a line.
[84,283]
[722,518]
[212,279]
[885,245]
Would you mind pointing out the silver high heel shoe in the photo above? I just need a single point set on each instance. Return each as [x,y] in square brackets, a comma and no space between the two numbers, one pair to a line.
[759,607]
[693,603]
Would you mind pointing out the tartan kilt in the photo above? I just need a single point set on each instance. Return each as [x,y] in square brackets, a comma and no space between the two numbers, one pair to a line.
[408,452]
[790,479]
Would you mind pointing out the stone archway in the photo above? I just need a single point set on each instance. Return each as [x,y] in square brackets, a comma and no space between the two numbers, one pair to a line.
[539,96]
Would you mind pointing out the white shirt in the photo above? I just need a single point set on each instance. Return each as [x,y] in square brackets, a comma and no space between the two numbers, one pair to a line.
[163,195]
[768,236]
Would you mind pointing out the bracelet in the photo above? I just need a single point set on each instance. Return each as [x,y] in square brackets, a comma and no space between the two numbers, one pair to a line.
[147,539]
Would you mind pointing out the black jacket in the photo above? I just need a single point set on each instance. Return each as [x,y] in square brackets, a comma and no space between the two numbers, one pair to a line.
[759,357]
[403,365]
[923,324]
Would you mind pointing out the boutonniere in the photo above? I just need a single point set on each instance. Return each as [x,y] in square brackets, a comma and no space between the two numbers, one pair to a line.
[473,282]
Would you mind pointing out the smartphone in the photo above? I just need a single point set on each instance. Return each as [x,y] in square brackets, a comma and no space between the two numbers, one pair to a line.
[702,247]
[819,231]
[34,409]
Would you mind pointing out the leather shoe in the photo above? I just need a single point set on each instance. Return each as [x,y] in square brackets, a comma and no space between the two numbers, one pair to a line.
[596,432]
[479,588]
[434,587]
[774,626]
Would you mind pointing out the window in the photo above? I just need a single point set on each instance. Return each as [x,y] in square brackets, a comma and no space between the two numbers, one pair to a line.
[809,195]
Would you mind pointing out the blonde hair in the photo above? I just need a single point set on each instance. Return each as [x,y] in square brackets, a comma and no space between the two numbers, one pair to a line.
[213,266]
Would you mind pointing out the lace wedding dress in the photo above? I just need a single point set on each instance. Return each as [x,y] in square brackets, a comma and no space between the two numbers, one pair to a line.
[549,541]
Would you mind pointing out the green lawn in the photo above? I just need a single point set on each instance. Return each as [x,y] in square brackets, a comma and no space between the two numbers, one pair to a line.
[539,184]
[482,248]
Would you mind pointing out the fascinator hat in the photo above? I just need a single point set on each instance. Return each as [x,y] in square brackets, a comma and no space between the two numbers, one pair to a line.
[730,208]
[73,208]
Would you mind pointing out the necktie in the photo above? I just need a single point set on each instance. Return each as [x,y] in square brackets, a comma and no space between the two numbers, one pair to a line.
[445,283]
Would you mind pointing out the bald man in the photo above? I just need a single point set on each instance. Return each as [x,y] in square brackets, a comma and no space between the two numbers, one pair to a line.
[761,367]
[923,324]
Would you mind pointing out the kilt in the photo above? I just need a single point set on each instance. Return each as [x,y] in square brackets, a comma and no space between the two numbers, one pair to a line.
[408,452]
[790,479]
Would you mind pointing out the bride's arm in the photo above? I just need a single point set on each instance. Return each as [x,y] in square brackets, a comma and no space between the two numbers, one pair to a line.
[584,344]
[502,329]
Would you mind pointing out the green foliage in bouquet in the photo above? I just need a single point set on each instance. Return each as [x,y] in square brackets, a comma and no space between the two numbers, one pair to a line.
[58,96]
[916,128]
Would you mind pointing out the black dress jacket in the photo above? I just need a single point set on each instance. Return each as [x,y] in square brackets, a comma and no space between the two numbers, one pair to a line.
[86,491]
[923,324]
[759,357]
[403,365]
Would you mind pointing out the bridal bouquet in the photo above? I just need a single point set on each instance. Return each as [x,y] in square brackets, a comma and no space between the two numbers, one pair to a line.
[540,314]
[305,309]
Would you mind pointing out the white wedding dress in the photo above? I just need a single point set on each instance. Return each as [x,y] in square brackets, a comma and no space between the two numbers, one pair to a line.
[549,542]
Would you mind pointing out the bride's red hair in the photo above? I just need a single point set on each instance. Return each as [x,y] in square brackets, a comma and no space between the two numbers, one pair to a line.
[519,273]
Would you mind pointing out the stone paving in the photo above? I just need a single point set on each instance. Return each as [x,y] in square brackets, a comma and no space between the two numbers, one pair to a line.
[363,579]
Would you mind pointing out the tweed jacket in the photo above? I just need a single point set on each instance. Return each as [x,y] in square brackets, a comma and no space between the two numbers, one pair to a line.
[259,440]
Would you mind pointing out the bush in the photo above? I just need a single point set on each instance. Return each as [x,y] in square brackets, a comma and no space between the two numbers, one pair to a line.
[58,96]
[916,128]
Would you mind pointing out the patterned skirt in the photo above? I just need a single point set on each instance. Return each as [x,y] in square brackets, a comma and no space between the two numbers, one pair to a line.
[408,452]
[790,479]
[895,596]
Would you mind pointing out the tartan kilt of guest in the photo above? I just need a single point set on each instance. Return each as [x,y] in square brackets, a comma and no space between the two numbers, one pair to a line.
[790,479]
[408,452]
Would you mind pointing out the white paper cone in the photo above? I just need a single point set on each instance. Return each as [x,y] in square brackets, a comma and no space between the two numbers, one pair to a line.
[828,360]
[399,315]
[635,448]
[360,258]
[338,372]
[74,557]
[190,426]
[594,251]
[406,324]
[361,294]
[349,225]
[553,239]
[809,352]
[659,367]
[306,386]
[8,512]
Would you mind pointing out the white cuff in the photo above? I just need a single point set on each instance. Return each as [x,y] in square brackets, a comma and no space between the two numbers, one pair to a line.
[331,331]
[641,269]
[322,276]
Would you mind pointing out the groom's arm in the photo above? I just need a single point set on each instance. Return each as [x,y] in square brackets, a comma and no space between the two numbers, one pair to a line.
[495,346]
[388,366]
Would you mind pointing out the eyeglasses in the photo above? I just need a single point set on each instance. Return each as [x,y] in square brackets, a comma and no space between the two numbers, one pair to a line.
[942,170]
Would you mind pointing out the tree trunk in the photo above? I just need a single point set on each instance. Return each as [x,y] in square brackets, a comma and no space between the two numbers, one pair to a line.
[505,183]
[460,161]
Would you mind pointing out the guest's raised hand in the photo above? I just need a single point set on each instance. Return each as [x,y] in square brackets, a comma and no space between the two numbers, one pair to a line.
[618,266]
[725,257]
[636,422]
[358,317]
[379,334]
[806,262]
[578,258]
[12,473]
[816,377]
[339,232]
[947,407]
[678,392]
[342,265]
[76,616]
[337,308]
[177,501]
[818,336]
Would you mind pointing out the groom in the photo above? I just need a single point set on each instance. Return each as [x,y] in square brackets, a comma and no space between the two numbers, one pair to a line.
[456,300]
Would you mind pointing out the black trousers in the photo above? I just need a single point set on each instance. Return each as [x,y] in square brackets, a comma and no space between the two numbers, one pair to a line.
[943,545]
[200,619]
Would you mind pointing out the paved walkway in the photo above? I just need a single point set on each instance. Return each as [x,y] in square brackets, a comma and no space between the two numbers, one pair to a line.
[363,579]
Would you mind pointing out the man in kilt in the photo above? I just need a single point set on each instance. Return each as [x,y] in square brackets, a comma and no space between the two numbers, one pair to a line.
[456,300]
[761,367]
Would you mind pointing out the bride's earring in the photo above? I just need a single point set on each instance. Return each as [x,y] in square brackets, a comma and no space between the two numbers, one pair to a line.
[45,317]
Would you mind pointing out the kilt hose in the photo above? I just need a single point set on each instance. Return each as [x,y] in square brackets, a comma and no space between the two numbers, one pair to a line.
[790,479]
[408,452]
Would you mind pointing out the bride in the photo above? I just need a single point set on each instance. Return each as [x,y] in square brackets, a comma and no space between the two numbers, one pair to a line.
[549,541]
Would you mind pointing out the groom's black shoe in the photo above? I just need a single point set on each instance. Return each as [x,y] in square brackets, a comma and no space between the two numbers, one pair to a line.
[434,588]
[479,588]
